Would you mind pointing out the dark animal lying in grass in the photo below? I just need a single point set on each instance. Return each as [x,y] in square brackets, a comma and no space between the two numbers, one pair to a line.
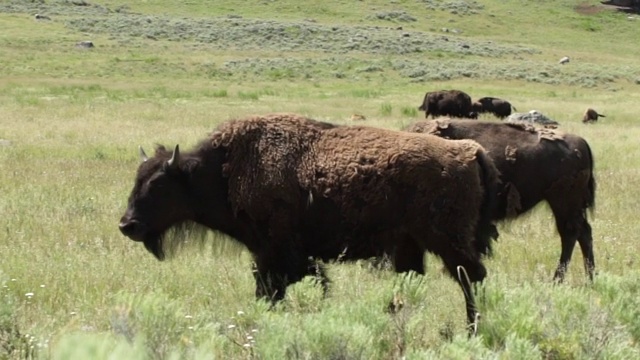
[292,189]
[498,107]
[454,103]
[536,165]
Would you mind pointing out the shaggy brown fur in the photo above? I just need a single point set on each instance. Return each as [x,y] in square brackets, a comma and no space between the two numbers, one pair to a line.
[498,107]
[454,103]
[536,164]
[291,189]
[591,116]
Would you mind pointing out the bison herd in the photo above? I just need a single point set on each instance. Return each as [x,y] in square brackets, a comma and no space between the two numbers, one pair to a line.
[298,192]
[458,104]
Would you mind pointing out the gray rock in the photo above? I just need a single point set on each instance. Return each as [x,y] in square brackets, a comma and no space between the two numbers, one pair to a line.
[532,116]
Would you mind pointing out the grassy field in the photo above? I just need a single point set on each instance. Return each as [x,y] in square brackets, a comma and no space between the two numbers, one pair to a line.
[71,119]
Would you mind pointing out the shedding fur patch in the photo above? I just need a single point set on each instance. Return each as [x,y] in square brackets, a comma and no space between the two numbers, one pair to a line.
[550,134]
[510,153]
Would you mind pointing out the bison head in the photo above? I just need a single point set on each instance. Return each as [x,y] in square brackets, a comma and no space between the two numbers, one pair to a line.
[160,200]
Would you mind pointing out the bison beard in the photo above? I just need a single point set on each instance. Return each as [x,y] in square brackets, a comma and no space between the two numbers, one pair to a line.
[535,164]
[293,190]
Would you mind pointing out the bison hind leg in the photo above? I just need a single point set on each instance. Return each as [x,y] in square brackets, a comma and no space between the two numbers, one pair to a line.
[572,228]
[466,269]
[585,239]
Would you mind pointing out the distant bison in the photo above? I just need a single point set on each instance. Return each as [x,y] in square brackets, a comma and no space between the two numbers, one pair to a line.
[535,165]
[498,107]
[454,103]
[591,116]
[292,189]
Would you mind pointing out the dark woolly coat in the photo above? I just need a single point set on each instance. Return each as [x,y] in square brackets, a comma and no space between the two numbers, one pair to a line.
[339,187]
[291,188]
[498,107]
[536,164]
[454,103]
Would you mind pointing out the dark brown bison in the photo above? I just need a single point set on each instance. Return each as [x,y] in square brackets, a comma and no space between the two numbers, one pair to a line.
[535,164]
[498,107]
[591,116]
[294,190]
[454,103]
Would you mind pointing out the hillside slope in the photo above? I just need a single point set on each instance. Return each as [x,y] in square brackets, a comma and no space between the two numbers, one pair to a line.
[416,41]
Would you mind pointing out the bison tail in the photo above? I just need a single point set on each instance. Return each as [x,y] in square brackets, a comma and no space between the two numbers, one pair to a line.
[422,107]
[486,230]
[591,185]
[601,115]
[514,108]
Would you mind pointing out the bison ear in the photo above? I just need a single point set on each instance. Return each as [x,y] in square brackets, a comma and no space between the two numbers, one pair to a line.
[143,155]
[174,162]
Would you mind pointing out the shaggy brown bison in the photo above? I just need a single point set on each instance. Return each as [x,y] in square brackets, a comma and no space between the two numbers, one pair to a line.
[294,190]
[454,103]
[536,165]
[498,107]
[591,116]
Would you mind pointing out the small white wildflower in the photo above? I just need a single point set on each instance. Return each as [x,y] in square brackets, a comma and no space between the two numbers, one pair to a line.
[188,317]
[13,279]
[42,285]
[72,313]
[247,345]
[249,337]
[29,295]
[231,326]
[190,328]
[254,330]
[240,312]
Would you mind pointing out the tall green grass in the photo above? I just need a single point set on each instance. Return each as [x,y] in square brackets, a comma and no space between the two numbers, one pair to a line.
[71,286]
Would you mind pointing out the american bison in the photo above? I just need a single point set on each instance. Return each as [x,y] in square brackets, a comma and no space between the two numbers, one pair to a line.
[536,164]
[591,116]
[454,103]
[294,190]
[498,107]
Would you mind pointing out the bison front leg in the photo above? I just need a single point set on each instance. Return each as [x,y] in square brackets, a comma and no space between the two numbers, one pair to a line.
[271,283]
[277,270]
[408,256]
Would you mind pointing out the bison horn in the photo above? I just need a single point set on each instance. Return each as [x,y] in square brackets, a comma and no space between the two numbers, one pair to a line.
[174,162]
[143,155]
